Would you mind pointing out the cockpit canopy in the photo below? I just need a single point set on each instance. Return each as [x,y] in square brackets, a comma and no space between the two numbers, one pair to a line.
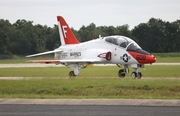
[118,40]
[125,42]
[122,41]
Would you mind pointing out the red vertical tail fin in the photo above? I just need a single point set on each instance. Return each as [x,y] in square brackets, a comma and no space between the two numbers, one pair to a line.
[66,35]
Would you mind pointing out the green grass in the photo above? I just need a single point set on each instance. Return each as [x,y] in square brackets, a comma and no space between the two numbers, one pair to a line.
[167,59]
[170,54]
[158,82]
[90,88]
[172,57]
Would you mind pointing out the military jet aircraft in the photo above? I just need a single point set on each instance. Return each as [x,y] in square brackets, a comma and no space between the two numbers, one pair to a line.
[115,49]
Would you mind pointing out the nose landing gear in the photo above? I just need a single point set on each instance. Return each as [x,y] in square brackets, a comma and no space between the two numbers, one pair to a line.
[136,74]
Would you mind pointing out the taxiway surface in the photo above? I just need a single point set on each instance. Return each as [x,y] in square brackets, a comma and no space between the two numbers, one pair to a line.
[87,110]
[89,107]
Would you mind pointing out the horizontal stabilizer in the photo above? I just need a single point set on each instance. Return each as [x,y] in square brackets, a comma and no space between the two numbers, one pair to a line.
[43,53]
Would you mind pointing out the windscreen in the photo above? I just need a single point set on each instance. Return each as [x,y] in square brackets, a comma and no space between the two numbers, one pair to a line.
[118,40]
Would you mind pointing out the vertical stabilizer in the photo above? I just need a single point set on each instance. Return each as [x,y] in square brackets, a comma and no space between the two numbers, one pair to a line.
[66,35]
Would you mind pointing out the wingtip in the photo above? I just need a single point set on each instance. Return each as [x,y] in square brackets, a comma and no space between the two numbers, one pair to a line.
[29,56]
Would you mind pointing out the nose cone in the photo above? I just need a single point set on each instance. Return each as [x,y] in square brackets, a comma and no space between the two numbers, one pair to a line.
[146,59]
[151,59]
[143,58]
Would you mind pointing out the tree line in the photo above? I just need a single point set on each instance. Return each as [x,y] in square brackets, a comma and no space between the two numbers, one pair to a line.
[23,38]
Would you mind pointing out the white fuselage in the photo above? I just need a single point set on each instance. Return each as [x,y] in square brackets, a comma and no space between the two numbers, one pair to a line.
[91,49]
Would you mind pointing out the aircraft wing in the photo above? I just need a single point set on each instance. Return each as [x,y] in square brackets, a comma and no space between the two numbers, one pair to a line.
[81,60]
[43,53]
[66,61]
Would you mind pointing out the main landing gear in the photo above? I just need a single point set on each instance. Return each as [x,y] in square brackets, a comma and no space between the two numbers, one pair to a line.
[136,74]
[76,68]
[71,74]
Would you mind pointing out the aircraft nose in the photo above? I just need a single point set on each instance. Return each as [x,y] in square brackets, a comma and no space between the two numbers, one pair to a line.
[146,59]
[143,57]
[151,59]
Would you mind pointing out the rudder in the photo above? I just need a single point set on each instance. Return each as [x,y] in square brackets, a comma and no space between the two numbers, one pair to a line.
[66,35]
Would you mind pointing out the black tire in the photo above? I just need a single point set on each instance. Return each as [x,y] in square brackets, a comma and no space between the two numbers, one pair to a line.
[121,73]
[133,75]
[71,74]
[139,75]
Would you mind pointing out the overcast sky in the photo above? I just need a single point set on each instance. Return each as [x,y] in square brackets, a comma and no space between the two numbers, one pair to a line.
[84,12]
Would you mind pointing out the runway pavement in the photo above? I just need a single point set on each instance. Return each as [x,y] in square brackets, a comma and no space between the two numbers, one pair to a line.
[87,110]
[133,102]
[18,65]
[89,107]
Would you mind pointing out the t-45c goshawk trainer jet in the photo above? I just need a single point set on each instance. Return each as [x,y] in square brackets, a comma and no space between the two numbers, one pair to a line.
[115,49]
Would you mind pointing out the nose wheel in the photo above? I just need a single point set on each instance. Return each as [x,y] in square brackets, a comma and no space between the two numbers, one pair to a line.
[137,75]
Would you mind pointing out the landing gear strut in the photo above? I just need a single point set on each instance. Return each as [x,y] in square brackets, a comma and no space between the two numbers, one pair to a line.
[122,72]
[76,69]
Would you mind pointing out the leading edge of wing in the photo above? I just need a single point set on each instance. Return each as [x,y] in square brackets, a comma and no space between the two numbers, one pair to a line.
[43,53]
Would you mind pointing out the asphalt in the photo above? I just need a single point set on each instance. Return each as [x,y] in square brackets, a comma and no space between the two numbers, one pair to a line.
[129,102]
[87,110]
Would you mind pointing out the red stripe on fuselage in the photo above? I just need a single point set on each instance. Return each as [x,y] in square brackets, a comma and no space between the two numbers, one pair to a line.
[142,58]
